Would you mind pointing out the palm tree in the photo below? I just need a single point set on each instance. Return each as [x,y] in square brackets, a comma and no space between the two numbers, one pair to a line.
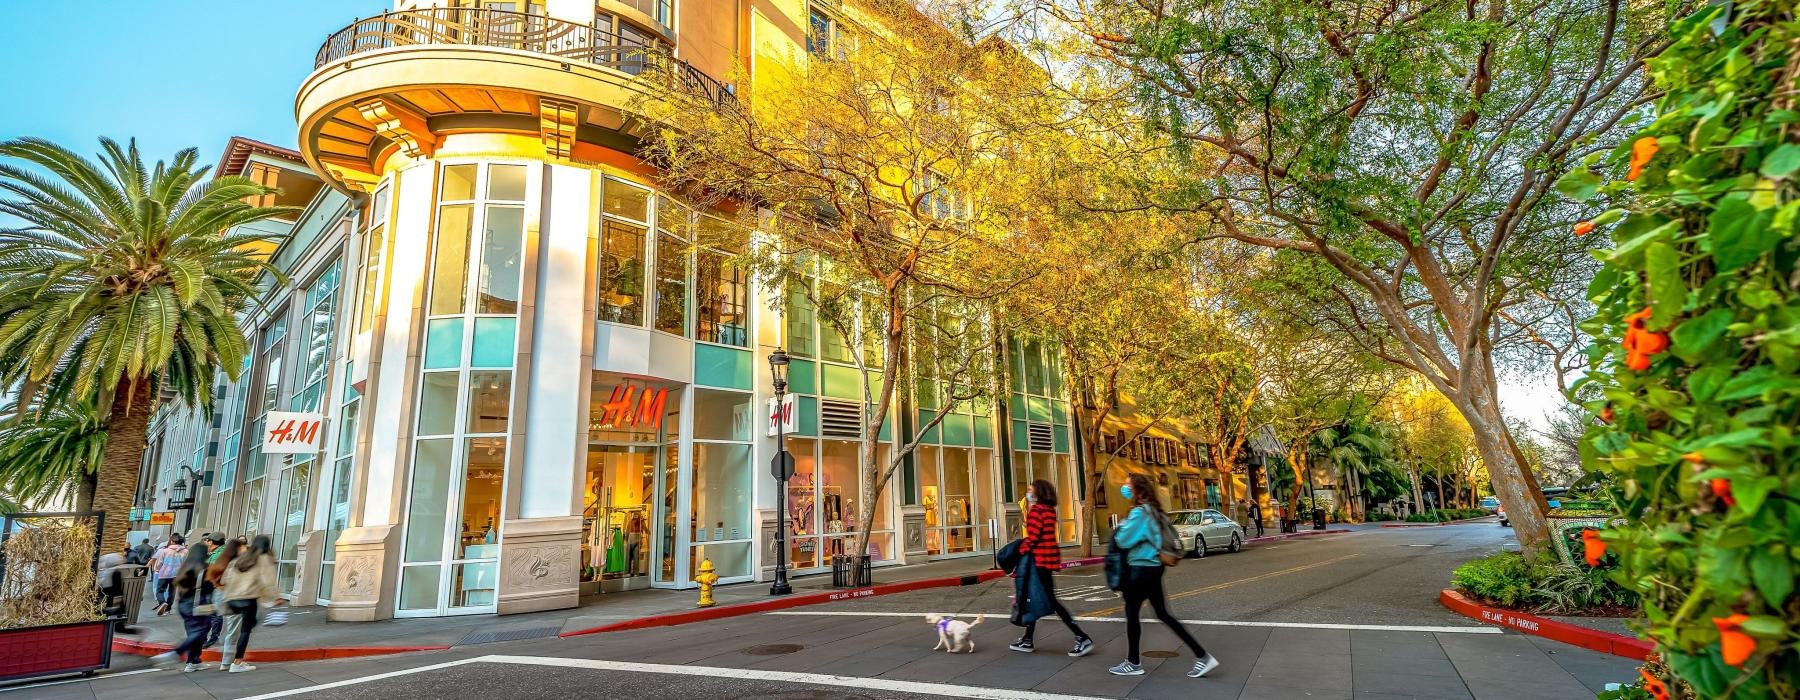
[49,453]
[1359,447]
[122,281]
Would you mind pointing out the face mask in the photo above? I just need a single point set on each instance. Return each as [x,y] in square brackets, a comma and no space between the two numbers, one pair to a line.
[1125,491]
[1030,497]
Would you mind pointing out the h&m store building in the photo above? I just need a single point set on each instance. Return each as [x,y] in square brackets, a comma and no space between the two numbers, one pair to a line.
[535,389]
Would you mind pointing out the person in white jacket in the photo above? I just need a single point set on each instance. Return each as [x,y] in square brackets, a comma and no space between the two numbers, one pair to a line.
[248,581]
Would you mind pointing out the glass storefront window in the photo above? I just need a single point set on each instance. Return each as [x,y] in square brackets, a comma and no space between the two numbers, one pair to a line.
[616,511]
[459,183]
[722,299]
[721,495]
[802,505]
[722,415]
[450,256]
[490,401]
[497,283]
[506,183]
[621,273]
[800,321]
[429,500]
[484,475]
[374,256]
[437,403]
[671,284]
[625,200]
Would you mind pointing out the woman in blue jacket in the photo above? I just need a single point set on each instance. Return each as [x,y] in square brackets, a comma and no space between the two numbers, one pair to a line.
[1141,536]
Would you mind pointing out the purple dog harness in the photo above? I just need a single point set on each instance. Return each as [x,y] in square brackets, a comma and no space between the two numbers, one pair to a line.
[944,624]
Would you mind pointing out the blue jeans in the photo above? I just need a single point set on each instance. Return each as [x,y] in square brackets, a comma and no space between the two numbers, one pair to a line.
[196,627]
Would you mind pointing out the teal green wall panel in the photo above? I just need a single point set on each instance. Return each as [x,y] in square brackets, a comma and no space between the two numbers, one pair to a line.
[1018,405]
[722,367]
[1039,409]
[959,429]
[935,434]
[803,377]
[984,431]
[1059,412]
[840,382]
[1021,435]
[1060,439]
[807,423]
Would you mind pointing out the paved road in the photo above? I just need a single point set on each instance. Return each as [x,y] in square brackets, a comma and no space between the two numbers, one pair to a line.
[1350,616]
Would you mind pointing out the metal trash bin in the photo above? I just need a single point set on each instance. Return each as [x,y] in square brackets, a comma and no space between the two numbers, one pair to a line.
[134,594]
[1318,518]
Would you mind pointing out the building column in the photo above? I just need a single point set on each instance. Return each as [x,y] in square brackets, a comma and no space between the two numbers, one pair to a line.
[541,546]
[368,558]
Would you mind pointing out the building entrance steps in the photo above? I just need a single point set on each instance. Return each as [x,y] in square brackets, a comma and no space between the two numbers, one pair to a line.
[309,636]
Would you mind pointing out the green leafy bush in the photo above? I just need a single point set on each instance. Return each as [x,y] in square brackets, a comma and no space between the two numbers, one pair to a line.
[1502,579]
[1381,517]
[1697,350]
[1569,588]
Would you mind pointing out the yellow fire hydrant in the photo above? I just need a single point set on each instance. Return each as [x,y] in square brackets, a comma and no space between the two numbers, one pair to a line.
[706,579]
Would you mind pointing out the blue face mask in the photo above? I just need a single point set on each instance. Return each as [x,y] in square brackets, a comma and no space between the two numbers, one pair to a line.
[1125,491]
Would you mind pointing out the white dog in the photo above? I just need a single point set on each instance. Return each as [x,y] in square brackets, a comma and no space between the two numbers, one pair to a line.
[953,634]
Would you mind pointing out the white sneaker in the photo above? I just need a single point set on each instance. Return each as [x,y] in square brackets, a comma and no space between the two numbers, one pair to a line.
[1203,666]
[225,664]
[165,658]
[1126,668]
[241,667]
[190,668]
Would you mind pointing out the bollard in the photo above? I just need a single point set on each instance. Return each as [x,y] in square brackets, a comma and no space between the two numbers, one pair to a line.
[706,579]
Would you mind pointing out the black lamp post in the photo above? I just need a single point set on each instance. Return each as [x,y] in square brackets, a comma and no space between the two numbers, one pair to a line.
[782,467]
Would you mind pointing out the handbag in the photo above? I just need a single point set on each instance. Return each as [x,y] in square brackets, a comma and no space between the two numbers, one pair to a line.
[1115,565]
[278,616]
[201,609]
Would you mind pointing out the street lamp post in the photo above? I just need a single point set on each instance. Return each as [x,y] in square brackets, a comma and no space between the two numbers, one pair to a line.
[782,467]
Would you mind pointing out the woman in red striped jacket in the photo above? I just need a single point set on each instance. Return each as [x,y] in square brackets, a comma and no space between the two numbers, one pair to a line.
[1040,556]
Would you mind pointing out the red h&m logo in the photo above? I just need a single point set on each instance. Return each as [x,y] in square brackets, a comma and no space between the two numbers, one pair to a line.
[647,413]
[292,433]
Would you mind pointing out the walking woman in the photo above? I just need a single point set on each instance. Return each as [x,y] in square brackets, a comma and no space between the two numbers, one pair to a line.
[1141,536]
[223,552]
[248,580]
[189,589]
[1039,558]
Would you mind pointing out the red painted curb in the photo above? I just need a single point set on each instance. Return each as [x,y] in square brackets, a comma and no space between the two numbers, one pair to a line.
[1603,642]
[142,648]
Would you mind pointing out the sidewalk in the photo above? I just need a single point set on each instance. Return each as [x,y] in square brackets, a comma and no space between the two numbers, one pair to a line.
[309,635]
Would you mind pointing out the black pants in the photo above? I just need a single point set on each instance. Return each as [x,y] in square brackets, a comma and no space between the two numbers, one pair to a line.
[1145,583]
[1049,581]
[196,626]
[246,612]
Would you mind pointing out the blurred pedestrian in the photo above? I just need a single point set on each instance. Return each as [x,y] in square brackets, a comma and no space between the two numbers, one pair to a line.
[163,565]
[1142,537]
[219,629]
[1035,583]
[193,599]
[249,581]
[140,554]
[1256,516]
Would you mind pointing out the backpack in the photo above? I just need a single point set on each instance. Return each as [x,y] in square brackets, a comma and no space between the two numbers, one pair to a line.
[1170,550]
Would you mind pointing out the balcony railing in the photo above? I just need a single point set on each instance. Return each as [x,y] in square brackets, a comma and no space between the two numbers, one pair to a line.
[459,26]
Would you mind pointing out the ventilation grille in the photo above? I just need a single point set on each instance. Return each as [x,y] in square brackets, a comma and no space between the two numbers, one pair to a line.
[1038,438]
[840,419]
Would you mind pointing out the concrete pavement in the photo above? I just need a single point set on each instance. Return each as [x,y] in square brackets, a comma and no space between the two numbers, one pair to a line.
[1341,616]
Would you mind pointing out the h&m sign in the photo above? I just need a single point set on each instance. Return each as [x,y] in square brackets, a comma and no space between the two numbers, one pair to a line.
[287,432]
[630,407]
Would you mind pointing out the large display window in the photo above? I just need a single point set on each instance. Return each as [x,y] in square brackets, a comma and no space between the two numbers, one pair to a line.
[824,503]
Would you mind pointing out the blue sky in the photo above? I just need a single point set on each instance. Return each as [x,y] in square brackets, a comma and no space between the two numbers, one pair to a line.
[174,74]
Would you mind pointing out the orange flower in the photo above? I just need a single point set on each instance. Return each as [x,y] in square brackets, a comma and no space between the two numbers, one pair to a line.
[1640,344]
[1722,488]
[1584,228]
[1606,414]
[1695,458]
[1735,647]
[1653,685]
[1641,151]
[1593,549]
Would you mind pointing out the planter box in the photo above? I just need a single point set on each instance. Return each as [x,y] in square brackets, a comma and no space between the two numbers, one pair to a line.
[76,647]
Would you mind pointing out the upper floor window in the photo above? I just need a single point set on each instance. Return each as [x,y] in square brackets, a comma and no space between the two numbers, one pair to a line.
[663,11]
[826,36]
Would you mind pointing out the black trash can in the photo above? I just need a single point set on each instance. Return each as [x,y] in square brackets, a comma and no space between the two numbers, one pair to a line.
[1318,518]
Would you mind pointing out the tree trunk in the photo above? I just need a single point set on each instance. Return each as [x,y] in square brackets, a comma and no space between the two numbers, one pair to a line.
[115,490]
[1418,493]
[1516,487]
[84,493]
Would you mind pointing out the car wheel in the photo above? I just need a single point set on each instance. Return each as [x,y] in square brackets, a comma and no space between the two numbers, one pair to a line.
[1199,547]
[1237,545]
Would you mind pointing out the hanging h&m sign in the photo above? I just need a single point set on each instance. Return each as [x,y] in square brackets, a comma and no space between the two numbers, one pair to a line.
[292,433]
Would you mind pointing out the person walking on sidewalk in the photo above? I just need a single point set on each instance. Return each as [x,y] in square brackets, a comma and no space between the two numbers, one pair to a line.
[1142,538]
[191,591]
[163,565]
[249,580]
[1256,517]
[215,546]
[1035,585]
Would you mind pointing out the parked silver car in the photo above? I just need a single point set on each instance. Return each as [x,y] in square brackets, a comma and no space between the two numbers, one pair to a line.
[1207,530]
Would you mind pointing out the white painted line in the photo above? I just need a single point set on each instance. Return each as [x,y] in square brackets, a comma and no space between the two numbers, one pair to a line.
[47,684]
[1217,623]
[897,686]
[357,681]
[755,674]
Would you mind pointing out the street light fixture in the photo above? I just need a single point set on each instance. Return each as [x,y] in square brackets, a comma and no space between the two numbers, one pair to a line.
[782,468]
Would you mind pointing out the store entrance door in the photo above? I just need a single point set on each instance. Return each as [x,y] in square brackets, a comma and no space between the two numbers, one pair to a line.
[618,517]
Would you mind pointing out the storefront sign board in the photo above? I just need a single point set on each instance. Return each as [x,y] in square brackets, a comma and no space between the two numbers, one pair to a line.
[287,432]
[785,417]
